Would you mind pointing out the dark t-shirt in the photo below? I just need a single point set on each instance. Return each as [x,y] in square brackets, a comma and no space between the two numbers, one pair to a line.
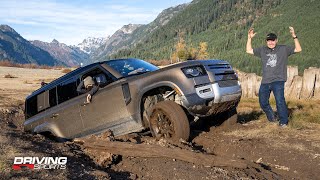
[274,62]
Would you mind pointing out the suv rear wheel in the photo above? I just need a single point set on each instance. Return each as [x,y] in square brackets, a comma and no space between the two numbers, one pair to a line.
[168,120]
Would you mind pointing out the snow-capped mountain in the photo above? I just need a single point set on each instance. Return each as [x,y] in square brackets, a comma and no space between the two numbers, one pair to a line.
[90,44]
[114,42]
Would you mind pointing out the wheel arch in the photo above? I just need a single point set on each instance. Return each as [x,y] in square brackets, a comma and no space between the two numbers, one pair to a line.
[49,128]
[154,89]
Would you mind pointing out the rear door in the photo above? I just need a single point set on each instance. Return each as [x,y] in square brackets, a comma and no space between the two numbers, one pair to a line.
[65,117]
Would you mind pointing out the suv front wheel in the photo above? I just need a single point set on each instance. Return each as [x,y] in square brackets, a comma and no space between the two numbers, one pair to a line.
[168,120]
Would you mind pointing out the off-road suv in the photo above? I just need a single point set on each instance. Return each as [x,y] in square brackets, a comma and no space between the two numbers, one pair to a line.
[134,95]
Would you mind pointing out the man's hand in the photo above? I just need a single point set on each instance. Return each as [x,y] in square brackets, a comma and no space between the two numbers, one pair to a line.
[293,34]
[296,41]
[89,97]
[251,33]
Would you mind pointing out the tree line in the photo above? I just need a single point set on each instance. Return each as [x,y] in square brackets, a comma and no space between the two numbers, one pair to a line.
[221,26]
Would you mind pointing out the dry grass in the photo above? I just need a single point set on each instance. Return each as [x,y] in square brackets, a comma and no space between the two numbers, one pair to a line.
[265,130]
[7,153]
[316,144]
[7,63]
[304,123]
[13,89]
[296,146]
[302,113]
[3,165]
[27,82]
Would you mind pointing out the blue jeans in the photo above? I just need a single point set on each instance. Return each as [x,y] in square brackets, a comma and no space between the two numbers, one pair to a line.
[278,91]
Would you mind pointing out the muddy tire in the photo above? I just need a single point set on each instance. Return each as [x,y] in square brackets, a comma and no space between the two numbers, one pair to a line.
[149,102]
[169,121]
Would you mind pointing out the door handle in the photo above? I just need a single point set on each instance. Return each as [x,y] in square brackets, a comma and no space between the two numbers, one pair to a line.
[54,115]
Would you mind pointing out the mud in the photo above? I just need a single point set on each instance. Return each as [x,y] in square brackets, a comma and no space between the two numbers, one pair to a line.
[258,149]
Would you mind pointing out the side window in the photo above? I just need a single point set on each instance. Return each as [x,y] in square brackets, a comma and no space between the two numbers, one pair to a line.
[31,107]
[41,102]
[67,90]
[101,77]
[47,99]
[53,97]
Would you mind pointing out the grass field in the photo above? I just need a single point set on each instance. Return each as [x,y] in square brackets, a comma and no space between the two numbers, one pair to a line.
[302,113]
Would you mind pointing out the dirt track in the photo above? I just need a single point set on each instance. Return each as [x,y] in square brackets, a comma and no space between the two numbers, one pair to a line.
[267,151]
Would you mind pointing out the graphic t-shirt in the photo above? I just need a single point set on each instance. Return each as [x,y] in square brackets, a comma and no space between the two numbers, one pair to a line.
[274,62]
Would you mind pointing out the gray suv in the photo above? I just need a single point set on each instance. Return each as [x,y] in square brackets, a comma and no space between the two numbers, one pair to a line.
[134,95]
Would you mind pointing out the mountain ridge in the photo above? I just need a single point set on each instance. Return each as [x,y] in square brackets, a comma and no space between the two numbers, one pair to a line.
[69,55]
[15,48]
[139,32]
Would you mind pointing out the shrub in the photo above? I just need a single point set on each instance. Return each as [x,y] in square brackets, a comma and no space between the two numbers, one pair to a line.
[66,70]
[160,62]
[9,76]
[8,63]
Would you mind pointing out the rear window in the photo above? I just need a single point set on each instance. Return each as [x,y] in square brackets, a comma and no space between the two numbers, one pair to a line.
[40,102]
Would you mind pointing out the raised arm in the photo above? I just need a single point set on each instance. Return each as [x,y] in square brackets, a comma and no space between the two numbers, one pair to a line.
[251,34]
[297,46]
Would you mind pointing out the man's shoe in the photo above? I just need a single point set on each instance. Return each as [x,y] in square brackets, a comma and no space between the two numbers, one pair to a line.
[283,125]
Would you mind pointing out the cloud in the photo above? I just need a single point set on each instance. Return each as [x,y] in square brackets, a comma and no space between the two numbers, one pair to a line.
[74,19]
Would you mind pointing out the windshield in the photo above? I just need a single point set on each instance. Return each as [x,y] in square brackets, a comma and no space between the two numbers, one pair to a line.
[128,67]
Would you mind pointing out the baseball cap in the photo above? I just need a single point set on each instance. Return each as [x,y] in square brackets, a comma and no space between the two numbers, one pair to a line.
[271,36]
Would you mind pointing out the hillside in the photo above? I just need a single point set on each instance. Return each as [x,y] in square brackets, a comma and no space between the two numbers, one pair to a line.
[15,48]
[119,40]
[224,25]
[69,55]
[132,34]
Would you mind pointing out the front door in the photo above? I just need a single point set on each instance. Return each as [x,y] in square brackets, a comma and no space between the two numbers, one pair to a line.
[107,110]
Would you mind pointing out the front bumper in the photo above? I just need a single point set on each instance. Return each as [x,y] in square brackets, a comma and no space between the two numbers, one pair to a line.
[211,99]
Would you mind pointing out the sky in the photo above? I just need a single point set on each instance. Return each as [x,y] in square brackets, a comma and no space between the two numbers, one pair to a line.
[70,22]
